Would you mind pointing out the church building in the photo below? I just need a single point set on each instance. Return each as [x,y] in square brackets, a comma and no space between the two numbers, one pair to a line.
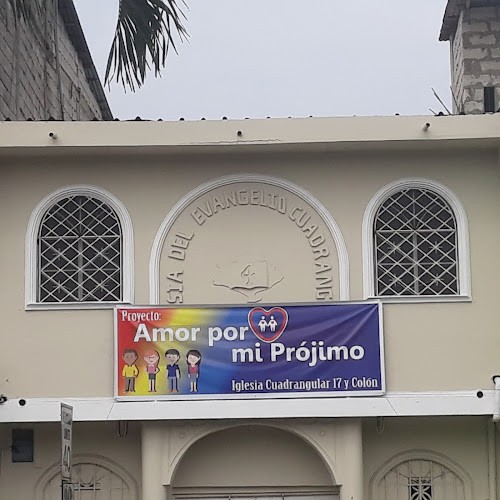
[281,309]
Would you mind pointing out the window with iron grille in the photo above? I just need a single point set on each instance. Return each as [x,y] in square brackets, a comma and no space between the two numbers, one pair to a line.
[421,479]
[415,245]
[91,481]
[419,489]
[79,250]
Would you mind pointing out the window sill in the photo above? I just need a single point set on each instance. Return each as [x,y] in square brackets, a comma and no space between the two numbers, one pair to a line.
[417,299]
[73,306]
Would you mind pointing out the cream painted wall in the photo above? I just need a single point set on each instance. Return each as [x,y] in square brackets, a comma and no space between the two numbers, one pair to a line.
[20,480]
[456,343]
[260,456]
[463,440]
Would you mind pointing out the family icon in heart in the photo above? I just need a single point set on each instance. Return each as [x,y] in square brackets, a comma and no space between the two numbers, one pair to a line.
[268,325]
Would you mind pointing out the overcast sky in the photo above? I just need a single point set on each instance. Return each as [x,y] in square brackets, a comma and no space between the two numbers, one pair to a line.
[284,58]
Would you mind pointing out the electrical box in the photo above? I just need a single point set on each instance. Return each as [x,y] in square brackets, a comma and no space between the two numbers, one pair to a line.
[22,445]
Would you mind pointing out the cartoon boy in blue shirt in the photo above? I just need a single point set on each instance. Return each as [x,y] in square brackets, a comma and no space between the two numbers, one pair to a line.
[173,373]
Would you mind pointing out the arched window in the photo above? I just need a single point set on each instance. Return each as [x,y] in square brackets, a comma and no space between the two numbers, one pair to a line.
[416,242]
[79,249]
[93,478]
[420,475]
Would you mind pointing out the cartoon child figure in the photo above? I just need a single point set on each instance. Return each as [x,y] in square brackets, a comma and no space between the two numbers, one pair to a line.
[193,358]
[173,373]
[130,370]
[262,324]
[151,358]
[273,324]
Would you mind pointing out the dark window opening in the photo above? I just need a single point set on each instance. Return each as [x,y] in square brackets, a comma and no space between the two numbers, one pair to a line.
[22,445]
[489,99]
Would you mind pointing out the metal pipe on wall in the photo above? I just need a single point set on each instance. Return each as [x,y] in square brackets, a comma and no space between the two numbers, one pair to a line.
[496,409]
[492,461]
[492,458]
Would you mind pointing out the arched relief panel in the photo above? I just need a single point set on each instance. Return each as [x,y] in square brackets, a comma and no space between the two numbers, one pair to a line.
[94,477]
[324,439]
[248,239]
[422,474]
[263,456]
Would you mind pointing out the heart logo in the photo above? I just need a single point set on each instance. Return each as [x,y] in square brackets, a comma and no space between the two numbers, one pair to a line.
[268,325]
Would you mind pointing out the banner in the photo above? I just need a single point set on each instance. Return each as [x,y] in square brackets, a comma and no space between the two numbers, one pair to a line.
[248,352]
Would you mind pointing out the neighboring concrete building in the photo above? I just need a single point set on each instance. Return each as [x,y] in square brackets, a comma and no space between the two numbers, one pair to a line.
[473,30]
[46,71]
[123,241]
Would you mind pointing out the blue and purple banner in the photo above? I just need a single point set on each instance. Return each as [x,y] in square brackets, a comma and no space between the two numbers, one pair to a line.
[248,352]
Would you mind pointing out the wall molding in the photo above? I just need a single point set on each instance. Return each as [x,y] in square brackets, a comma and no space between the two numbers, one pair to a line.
[180,206]
[392,404]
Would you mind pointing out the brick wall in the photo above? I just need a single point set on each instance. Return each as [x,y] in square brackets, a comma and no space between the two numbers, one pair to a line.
[476,58]
[31,82]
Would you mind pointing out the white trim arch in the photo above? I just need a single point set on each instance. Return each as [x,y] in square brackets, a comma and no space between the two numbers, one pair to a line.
[127,256]
[156,250]
[326,456]
[463,249]
[92,459]
[416,454]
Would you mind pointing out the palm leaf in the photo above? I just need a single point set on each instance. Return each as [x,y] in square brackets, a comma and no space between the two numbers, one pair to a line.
[145,31]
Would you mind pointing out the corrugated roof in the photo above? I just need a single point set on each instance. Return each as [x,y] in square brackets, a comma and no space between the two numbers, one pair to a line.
[74,28]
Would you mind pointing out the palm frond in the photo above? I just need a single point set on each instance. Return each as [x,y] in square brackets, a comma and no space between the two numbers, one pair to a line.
[145,31]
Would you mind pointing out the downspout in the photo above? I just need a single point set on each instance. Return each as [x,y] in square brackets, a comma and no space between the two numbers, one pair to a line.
[492,459]
[496,409]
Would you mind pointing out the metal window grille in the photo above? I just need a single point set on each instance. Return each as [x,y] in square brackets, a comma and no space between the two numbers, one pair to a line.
[419,489]
[79,252]
[421,480]
[415,244]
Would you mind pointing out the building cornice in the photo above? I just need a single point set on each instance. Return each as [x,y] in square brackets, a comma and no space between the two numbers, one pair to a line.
[393,404]
[296,134]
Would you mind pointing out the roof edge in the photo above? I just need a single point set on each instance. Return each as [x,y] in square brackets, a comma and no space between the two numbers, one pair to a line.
[452,14]
[450,19]
[360,132]
[69,15]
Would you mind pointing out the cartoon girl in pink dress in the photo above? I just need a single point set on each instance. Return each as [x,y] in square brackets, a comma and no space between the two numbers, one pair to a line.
[193,358]
[152,358]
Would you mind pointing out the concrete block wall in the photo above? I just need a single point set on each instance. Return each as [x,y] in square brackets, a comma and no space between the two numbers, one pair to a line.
[457,65]
[475,61]
[29,77]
